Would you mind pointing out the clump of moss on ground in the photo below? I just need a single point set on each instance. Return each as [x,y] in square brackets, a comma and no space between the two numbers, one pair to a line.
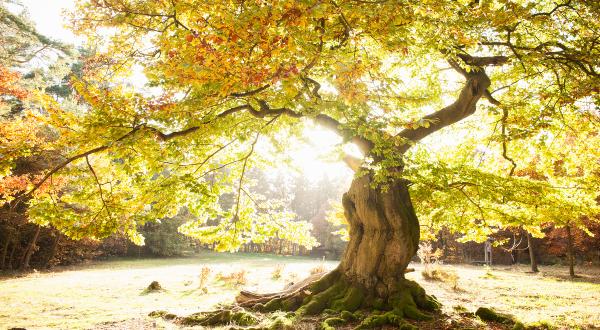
[153,288]
[488,314]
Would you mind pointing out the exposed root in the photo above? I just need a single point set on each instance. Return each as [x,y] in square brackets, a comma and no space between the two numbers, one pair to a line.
[332,294]
[239,317]
[322,294]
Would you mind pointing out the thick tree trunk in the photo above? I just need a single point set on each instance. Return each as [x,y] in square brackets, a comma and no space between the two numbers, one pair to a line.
[384,235]
[570,252]
[532,256]
[30,249]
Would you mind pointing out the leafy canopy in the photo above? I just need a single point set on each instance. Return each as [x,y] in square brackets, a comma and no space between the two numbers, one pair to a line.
[230,81]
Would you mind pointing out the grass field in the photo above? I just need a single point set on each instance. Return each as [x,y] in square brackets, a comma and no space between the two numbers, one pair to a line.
[109,295]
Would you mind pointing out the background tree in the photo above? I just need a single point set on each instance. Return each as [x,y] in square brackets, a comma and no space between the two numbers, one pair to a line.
[30,64]
[234,79]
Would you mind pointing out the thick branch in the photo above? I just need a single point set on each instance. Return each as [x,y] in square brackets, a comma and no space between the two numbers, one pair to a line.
[483,60]
[464,106]
[264,112]
[74,158]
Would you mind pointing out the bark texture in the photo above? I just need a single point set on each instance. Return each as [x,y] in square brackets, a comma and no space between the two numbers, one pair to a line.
[570,252]
[30,249]
[532,256]
[384,235]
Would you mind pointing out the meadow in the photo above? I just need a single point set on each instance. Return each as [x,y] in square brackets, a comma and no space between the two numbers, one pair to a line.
[111,294]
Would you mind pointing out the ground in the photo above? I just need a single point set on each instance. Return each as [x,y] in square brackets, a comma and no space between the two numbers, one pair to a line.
[110,295]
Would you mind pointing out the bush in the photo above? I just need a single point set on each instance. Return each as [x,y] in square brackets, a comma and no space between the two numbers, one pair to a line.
[204,278]
[318,269]
[235,278]
[277,272]
[436,273]
[162,238]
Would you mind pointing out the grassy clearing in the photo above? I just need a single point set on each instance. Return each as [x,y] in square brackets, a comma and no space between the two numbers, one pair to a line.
[108,295]
[547,296]
[84,297]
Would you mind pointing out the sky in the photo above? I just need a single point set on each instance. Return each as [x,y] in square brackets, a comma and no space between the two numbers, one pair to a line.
[311,158]
[48,18]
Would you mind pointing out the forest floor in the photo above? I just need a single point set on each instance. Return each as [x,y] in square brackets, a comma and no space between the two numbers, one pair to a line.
[109,294]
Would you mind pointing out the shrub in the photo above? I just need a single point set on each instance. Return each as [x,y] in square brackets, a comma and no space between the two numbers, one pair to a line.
[436,273]
[235,278]
[319,269]
[428,255]
[204,278]
[277,272]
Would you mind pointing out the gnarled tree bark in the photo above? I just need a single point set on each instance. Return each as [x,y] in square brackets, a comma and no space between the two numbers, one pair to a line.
[384,235]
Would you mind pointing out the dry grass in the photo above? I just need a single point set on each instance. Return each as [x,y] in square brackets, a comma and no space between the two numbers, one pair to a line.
[277,272]
[107,295]
[445,275]
[321,268]
[236,278]
[204,279]
[548,296]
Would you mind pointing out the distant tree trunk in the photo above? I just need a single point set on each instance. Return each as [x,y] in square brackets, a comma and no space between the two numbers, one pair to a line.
[30,249]
[4,252]
[53,249]
[570,252]
[12,255]
[532,256]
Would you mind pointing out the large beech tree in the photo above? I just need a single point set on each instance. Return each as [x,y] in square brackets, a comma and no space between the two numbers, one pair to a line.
[229,80]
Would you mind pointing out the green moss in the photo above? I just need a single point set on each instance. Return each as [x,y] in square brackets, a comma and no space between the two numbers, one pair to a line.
[351,300]
[157,314]
[324,283]
[222,317]
[329,323]
[260,307]
[519,326]
[392,318]
[348,316]
[378,303]
[321,300]
[281,321]
[487,314]
[373,321]
[412,312]
[540,325]
[162,314]
[290,304]
[420,297]
[152,288]
[244,318]
[273,305]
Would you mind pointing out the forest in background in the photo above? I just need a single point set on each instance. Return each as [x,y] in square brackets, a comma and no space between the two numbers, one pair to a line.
[311,201]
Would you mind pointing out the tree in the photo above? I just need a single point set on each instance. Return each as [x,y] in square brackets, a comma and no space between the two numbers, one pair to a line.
[232,79]
[23,152]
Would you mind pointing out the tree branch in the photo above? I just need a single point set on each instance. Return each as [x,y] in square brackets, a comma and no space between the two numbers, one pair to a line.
[264,112]
[464,106]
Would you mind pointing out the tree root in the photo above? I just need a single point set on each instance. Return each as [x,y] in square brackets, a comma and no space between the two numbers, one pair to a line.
[324,294]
